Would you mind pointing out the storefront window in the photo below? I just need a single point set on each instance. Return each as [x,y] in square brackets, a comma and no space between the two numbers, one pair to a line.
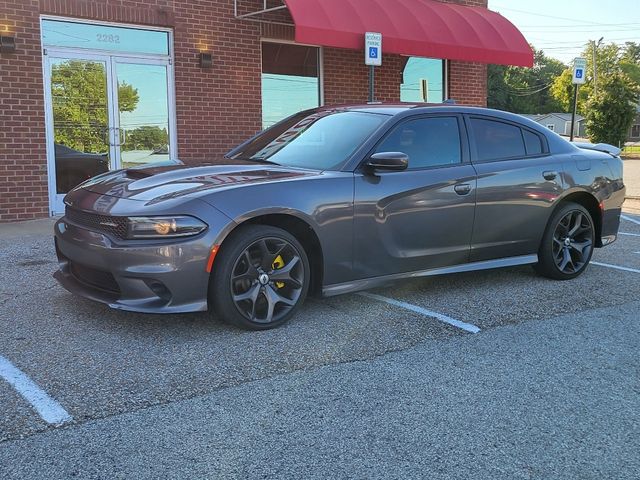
[422,80]
[290,80]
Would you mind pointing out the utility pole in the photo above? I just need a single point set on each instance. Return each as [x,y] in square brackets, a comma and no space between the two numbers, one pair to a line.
[595,78]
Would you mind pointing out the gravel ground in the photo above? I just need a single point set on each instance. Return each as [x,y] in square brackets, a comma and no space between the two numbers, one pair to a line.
[152,380]
[550,399]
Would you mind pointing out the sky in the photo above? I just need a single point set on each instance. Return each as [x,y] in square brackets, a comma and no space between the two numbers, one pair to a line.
[562,27]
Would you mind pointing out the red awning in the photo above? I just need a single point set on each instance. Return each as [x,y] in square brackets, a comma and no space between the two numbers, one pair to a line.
[424,28]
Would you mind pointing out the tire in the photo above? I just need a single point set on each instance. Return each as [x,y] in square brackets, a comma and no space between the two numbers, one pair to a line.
[260,278]
[567,244]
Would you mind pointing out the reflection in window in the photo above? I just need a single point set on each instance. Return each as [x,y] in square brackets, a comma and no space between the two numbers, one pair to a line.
[290,80]
[429,142]
[57,33]
[422,80]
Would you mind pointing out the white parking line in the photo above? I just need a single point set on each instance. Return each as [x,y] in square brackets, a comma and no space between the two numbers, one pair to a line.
[629,219]
[630,234]
[50,410]
[617,267]
[468,327]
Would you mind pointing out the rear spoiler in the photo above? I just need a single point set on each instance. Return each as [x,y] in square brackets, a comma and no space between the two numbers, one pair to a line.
[600,147]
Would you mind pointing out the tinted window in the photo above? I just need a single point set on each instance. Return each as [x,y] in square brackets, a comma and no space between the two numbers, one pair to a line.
[322,141]
[428,141]
[495,140]
[533,142]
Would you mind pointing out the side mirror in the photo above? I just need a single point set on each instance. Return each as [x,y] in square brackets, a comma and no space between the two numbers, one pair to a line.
[392,161]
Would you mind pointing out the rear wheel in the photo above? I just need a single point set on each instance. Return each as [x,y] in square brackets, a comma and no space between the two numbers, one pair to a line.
[260,278]
[567,244]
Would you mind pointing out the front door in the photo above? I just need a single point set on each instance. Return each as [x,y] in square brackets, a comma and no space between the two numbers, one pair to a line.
[105,109]
[420,218]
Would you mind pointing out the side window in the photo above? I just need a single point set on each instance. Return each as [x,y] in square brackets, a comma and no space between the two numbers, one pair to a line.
[532,142]
[428,142]
[495,140]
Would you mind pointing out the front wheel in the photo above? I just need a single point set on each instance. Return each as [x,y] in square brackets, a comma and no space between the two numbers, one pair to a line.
[260,277]
[567,244]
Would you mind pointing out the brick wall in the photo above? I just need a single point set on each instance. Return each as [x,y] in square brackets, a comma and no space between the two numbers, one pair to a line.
[216,108]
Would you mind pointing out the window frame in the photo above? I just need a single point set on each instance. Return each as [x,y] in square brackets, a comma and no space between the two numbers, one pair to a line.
[465,158]
[522,127]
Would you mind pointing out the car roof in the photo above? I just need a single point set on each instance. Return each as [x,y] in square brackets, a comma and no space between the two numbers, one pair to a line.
[399,108]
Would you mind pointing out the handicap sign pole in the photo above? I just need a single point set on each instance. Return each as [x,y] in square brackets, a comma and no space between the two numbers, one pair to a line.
[372,82]
[373,58]
[579,67]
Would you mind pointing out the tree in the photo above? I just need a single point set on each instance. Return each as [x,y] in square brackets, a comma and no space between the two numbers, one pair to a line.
[146,137]
[524,90]
[79,94]
[610,112]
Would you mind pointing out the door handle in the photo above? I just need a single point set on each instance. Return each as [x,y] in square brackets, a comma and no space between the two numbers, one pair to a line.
[550,175]
[462,188]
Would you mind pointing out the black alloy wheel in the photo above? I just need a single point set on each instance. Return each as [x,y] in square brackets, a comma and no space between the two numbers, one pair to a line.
[568,243]
[264,274]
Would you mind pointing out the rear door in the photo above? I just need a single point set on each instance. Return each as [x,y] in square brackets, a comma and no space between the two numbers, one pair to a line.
[518,181]
[422,217]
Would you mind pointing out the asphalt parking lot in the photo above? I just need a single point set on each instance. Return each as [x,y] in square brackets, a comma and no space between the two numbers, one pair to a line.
[390,385]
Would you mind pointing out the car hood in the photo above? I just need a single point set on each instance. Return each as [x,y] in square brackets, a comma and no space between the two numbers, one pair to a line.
[156,184]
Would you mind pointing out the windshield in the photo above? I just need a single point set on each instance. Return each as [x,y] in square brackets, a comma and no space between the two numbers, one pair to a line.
[321,141]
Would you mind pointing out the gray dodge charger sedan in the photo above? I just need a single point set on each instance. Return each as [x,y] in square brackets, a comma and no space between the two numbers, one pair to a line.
[339,199]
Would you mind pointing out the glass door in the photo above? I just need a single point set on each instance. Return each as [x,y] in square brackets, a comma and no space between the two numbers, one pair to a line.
[104,113]
[80,136]
[143,130]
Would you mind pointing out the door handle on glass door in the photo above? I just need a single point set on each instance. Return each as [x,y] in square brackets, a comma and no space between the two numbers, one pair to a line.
[462,188]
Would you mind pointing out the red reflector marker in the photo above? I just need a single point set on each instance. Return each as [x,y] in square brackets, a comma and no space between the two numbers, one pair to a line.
[212,257]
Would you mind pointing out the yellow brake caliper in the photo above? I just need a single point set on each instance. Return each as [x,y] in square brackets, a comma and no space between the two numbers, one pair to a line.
[277,264]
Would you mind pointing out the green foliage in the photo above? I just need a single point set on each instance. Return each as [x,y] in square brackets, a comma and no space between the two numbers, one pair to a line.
[610,112]
[609,105]
[79,94]
[146,138]
[524,90]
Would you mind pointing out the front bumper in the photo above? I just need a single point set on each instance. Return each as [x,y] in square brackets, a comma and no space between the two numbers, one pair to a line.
[146,277]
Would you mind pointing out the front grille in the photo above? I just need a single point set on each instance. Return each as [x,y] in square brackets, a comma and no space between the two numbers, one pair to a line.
[94,278]
[115,226]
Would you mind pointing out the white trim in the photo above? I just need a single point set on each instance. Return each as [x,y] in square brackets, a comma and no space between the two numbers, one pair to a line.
[102,22]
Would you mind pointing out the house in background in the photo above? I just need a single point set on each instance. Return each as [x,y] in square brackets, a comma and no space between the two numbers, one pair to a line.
[560,123]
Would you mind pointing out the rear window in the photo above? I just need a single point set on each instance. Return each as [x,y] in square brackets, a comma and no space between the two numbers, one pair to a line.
[495,140]
[532,142]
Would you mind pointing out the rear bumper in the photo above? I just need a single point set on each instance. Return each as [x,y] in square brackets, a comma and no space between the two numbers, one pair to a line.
[159,278]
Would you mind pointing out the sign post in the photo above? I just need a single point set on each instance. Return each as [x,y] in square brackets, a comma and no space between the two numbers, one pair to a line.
[373,58]
[579,67]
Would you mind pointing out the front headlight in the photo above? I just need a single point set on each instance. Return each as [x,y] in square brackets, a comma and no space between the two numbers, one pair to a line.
[164,227]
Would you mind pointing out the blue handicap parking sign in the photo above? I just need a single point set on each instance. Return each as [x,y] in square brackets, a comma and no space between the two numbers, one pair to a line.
[373,52]
[578,73]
